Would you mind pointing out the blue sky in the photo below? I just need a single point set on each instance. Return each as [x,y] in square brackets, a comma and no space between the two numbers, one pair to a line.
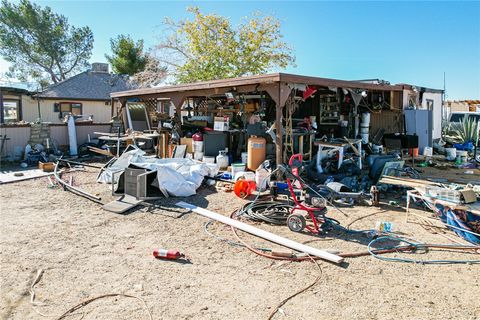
[402,42]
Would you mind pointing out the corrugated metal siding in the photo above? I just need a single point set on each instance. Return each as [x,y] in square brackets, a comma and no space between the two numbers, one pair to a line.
[19,135]
[391,121]
[18,138]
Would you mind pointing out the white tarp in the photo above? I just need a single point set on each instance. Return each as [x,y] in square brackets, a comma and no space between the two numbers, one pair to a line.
[178,177]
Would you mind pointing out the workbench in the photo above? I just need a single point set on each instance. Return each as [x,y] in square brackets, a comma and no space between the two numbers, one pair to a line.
[125,138]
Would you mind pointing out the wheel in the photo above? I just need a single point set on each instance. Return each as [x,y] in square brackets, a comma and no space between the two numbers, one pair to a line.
[296,222]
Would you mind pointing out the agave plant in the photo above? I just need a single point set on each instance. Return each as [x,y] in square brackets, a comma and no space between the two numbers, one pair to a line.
[461,132]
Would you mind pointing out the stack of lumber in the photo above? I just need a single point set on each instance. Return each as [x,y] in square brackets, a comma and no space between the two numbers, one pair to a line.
[407,182]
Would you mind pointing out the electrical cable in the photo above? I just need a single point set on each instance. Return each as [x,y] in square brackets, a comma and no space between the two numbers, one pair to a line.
[418,246]
[317,279]
[375,252]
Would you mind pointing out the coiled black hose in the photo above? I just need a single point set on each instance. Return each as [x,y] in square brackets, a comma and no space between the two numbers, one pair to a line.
[273,212]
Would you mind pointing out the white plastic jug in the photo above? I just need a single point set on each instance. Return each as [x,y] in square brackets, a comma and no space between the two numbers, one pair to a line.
[261,179]
[222,159]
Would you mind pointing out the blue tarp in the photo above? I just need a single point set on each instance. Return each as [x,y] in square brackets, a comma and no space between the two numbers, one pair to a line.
[461,219]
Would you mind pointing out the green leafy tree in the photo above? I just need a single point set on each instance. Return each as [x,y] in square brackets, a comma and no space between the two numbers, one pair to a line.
[208,47]
[127,56]
[40,44]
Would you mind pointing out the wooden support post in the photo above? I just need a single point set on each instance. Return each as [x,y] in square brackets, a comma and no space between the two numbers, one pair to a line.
[279,134]
[112,107]
[279,93]
[177,100]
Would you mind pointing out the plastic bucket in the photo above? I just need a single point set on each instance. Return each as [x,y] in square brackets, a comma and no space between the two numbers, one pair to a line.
[244,157]
[462,156]
[413,151]
[261,179]
[198,155]
[237,167]
[428,151]
[450,154]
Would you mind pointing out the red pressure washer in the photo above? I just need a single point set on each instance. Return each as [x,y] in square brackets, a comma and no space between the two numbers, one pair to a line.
[314,204]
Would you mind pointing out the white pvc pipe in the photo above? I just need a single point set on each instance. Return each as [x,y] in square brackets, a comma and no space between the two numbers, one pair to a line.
[72,136]
[366,119]
[262,233]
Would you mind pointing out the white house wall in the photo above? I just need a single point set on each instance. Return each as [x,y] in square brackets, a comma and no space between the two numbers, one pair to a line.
[437,112]
[437,109]
[100,111]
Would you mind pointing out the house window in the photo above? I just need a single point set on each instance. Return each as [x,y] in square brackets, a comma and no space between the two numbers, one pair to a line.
[71,107]
[11,111]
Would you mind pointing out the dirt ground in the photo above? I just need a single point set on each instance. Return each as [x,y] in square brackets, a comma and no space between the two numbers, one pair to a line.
[85,252]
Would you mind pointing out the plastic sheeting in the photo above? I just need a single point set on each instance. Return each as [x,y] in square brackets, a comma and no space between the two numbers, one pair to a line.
[177,177]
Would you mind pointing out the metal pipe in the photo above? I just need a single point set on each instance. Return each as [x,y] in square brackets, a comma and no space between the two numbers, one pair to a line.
[72,188]
[80,163]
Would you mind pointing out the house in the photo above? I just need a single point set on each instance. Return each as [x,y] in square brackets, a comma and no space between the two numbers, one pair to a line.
[87,93]
[462,106]
[12,100]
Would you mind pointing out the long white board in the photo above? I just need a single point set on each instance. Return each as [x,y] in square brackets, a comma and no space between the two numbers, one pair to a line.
[262,233]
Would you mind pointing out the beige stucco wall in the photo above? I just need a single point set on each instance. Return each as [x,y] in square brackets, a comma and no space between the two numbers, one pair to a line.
[101,112]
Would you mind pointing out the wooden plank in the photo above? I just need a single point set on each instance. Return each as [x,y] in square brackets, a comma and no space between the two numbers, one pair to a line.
[262,233]
[9,176]
[100,151]
[355,150]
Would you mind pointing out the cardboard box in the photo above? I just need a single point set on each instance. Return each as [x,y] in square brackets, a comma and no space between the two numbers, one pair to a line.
[469,195]
[221,123]
[188,142]
[46,166]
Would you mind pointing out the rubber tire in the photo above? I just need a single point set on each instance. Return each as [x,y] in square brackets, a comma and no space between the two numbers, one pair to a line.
[296,222]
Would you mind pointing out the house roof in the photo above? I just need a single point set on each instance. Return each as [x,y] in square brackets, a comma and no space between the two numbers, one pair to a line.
[13,90]
[88,85]
[262,79]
